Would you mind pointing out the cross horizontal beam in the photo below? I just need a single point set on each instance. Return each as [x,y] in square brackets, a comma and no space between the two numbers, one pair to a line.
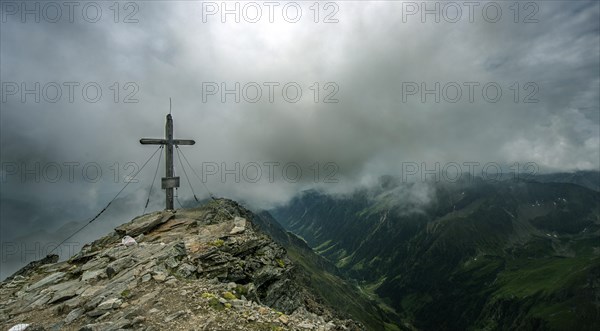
[152,141]
[183,142]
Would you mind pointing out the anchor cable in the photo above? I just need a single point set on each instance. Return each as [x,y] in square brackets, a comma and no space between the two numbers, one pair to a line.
[104,209]
[185,173]
[194,171]
[153,181]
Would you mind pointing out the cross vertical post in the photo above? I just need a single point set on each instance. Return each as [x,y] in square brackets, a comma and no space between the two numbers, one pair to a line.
[169,171]
[169,181]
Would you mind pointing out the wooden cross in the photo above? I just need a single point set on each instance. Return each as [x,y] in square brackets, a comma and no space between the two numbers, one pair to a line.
[169,181]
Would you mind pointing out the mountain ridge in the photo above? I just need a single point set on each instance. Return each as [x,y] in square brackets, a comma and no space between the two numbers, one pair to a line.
[208,268]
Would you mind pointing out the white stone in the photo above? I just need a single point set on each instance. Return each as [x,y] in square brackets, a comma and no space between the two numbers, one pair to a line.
[128,241]
[19,327]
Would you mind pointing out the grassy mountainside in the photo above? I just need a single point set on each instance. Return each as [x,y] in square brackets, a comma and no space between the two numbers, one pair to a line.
[323,277]
[469,255]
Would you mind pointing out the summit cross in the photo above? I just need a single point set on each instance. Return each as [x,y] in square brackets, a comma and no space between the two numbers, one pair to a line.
[169,181]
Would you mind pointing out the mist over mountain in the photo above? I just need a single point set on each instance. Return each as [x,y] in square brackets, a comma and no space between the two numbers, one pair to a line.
[589,179]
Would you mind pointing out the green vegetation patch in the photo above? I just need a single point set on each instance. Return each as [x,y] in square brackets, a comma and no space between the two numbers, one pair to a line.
[546,275]
[280,263]
[217,243]
[215,304]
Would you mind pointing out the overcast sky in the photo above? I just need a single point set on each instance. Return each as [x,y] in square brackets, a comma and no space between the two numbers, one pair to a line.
[370,61]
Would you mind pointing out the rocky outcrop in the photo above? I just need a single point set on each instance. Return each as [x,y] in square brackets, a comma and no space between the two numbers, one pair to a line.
[204,269]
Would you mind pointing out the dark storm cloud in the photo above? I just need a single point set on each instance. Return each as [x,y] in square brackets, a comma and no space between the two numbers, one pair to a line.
[368,55]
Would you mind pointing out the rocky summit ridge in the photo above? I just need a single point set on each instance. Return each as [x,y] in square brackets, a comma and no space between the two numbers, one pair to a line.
[208,268]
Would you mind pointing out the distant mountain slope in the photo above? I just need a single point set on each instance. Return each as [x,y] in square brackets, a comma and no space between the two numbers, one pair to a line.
[467,255]
[589,179]
[324,278]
